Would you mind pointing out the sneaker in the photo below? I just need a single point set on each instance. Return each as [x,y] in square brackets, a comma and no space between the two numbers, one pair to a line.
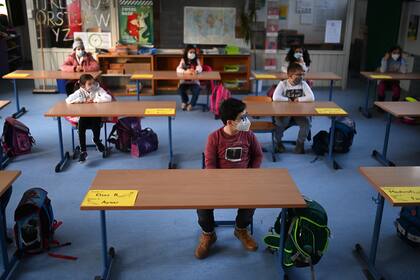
[82,157]
[300,148]
[203,247]
[280,148]
[189,107]
[99,146]
[184,106]
[245,237]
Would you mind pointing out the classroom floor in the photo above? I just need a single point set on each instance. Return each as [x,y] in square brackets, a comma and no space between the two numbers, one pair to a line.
[160,244]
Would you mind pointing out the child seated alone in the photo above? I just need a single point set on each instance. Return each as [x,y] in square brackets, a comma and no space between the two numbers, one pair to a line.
[294,89]
[232,146]
[89,92]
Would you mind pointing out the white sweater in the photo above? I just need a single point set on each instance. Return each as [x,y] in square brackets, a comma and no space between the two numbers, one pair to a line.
[96,95]
[180,70]
[285,92]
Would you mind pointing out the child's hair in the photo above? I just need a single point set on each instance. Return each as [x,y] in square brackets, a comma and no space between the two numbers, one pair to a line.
[84,78]
[230,109]
[185,56]
[393,48]
[293,68]
[291,58]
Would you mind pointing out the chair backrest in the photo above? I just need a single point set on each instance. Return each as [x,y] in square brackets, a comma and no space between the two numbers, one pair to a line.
[262,99]
[203,161]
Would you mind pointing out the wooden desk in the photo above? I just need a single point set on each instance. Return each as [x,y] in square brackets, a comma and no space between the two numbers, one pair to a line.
[297,109]
[316,76]
[4,160]
[394,76]
[172,76]
[110,109]
[164,189]
[396,109]
[380,177]
[40,75]
[7,178]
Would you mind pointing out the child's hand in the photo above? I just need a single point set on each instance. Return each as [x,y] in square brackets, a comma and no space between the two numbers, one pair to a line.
[386,56]
[79,68]
[190,72]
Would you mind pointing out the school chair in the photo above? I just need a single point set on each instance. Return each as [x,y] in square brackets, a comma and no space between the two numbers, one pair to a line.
[224,222]
[263,126]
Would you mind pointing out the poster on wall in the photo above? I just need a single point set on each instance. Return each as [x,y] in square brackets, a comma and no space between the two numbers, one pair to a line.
[413,27]
[95,40]
[211,26]
[135,18]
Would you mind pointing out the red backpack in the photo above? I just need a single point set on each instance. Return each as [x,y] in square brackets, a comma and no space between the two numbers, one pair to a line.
[218,95]
[16,139]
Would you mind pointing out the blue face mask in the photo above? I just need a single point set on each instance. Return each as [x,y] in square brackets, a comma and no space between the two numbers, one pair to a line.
[80,53]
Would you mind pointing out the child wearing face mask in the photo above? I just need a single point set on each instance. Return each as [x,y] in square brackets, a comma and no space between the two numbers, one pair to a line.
[78,61]
[89,92]
[294,89]
[392,62]
[189,65]
[232,146]
[297,54]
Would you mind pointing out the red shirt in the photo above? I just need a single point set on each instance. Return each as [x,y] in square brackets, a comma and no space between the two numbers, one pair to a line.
[233,151]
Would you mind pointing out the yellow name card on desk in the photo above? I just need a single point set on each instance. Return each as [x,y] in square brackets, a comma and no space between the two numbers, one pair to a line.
[16,75]
[403,194]
[380,77]
[142,76]
[110,198]
[330,111]
[265,76]
[159,111]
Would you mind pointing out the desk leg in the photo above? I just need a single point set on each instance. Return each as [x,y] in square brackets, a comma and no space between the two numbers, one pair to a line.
[257,87]
[283,217]
[65,156]
[382,157]
[171,164]
[365,111]
[8,265]
[4,159]
[20,111]
[107,148]
[107,256]
[331,90]
[331,159]
[138,89]
[369,263]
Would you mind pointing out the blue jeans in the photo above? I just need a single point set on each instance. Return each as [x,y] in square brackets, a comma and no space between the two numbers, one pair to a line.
[195,90]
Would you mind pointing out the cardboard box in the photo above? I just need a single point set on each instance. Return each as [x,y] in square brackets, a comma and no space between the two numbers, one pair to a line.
[131,68]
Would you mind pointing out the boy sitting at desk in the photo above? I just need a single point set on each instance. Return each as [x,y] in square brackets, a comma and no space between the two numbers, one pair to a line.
[232,146]
[294,89]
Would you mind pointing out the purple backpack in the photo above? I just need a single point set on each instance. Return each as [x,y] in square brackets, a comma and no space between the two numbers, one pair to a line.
[16,139]
[146,142]
[123,132]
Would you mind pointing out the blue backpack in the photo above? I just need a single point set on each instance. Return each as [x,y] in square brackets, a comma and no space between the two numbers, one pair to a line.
[35,224]
[408,225]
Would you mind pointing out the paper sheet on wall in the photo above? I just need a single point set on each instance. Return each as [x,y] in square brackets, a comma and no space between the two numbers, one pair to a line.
[333,31]
[304,6]
[93,40]
[403,194]
[307,19]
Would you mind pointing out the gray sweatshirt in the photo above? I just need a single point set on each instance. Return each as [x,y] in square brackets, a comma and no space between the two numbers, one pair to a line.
[391,65]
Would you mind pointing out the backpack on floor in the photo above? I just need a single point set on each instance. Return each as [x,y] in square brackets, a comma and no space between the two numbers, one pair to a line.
[307,235]
[218,95]
[16,139]
[123,132]
[408,225]
[35,224]
[144,143]
[345,129]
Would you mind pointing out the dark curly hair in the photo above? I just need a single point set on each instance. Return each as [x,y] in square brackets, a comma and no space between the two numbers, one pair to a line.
[291,58]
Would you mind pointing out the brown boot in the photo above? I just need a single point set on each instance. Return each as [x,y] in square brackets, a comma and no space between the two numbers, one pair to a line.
[300,148]
[247,241]
[203,247]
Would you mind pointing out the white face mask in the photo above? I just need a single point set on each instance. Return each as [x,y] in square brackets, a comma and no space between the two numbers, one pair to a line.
[298,55]
[395,56]
[244,124]
[191,56]
[80,53]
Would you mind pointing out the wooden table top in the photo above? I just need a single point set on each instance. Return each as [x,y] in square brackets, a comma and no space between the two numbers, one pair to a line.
[394,176]
[400,109]
[110,109]
[288,109]
[308,76]
[202,188]
[173,75]
[394,76]
[7,177]
[4,103]
[55,75]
